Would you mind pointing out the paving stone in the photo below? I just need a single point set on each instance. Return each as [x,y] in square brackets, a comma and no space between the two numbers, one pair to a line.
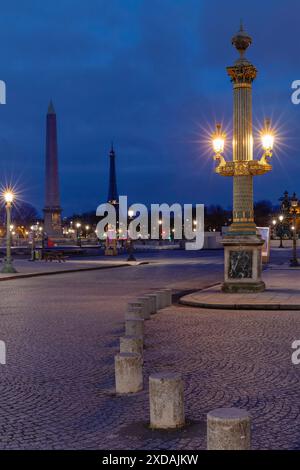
[62,334]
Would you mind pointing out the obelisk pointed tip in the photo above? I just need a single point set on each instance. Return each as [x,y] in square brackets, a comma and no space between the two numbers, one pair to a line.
[112,150]
[51,109]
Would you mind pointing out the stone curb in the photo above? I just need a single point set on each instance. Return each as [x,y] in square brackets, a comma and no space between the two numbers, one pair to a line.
[65,271]
[188,300]
[240,306]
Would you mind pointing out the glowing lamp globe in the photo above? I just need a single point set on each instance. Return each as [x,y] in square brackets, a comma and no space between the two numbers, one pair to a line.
[218,145]
[267,137]
[218,140]
[8,196]
[294,201]
[267,141]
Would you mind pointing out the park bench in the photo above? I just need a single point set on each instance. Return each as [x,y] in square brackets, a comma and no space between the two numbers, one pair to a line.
[54,256]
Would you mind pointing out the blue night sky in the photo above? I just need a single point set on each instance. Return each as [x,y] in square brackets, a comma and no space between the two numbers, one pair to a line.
[149,74]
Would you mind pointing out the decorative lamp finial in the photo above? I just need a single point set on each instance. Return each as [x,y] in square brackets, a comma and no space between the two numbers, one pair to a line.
[241,41]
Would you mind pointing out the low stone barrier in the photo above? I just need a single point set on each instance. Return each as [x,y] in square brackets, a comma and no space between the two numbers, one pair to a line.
[128,373]
[131,344]
[152,303]
[167,297]
[228,429]
[145,301]
[154,299]
[166,401]
[135,312]
[160,299]
[134,327]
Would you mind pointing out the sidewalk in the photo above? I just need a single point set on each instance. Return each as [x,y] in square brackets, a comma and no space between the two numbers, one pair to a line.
[180,258]
[27,268]
[282,293]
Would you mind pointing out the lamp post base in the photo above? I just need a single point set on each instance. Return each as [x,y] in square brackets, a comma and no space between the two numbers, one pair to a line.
[294,263]
[242,264]
[243,287]
[131,256]
[8,268]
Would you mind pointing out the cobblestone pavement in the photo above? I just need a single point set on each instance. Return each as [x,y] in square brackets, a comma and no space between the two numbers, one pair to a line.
[62,333]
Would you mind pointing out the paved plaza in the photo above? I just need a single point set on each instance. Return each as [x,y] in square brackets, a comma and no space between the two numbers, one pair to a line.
[62,332]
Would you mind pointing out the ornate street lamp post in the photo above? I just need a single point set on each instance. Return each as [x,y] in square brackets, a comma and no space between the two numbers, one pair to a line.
[274,225]
[279,229]
[242,244]
[294,206]
[8,262]
[280,218]
[131,256]
[34,229]
[78,236]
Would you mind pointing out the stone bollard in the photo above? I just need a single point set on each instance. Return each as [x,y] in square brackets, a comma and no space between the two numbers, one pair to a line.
[135,312]
[163,298]
[155,302]
[159,300]
[134,327]
[167,297]
[166,401]
[133,305]
[152,303]
[128,373]
[142,303]
[228,429]
[146,306]
[131,344]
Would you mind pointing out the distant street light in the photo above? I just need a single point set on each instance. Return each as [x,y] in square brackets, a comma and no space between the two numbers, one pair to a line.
[131,247]
[78,225]
[280,226]
[294,205]
[8,263]
[34,229]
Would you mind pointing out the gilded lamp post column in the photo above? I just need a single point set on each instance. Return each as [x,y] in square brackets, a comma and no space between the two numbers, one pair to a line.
[242,244]
[242,75]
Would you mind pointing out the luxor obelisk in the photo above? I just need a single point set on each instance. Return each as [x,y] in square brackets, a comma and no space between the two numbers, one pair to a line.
[112,188]
[52,209]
